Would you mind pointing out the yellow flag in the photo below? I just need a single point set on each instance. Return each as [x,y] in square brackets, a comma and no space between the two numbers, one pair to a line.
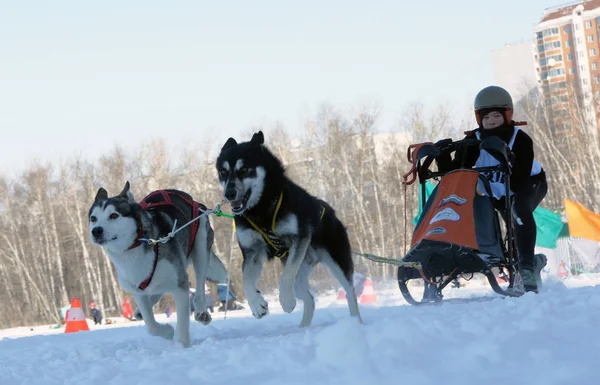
[583,223]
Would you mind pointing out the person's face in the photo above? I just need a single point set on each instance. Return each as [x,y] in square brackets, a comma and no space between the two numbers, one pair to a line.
[492,120]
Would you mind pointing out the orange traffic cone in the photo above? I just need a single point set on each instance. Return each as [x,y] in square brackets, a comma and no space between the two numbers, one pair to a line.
[562,270]
[368,294]
[341,294]
[76,321]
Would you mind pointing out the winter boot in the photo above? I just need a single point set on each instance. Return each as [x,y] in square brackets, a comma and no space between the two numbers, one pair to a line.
[529,281]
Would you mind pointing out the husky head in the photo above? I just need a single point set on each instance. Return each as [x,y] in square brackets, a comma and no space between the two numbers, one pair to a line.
[114,221]
[246,172]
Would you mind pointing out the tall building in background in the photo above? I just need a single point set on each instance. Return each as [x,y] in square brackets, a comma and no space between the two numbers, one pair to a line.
[514,69]
[566,55]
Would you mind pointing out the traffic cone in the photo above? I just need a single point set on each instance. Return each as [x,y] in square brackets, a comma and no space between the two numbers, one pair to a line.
[341,294]
[368,294]
[562,270]
[76,321]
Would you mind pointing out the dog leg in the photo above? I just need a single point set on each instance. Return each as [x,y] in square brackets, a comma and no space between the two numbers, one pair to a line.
[341,277]
[182,304]
[251,271]
[201,254]
[154,328]
[296,256]
[137,314]
[302,290]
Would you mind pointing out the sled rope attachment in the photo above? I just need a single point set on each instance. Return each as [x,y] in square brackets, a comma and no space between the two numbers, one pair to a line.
[396,262]
[217,211]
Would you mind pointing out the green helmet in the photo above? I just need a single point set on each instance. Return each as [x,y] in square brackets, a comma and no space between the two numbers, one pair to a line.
[493,97]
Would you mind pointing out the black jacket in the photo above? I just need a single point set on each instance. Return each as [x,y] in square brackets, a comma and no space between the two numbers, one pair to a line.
[522,150]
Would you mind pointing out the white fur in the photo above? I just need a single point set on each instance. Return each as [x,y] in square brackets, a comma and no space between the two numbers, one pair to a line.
[257,184]
[296,256]
[124,229]
[247,237]
[239,164]
[302,290]
[135,265]
[252,270]
[287,225]
[226,165]
[348,286]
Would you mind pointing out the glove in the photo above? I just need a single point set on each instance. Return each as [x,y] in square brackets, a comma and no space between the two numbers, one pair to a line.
[443,143]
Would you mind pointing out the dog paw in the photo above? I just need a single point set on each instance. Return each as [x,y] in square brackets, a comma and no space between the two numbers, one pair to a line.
[183,342]
[204,318]
[259,307]
[305,324]
[165,331]
[287,301]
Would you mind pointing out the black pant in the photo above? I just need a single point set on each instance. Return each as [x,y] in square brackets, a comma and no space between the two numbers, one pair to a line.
[524,203]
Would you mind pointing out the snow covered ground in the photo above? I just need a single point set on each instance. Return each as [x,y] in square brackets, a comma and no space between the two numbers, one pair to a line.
[475,337]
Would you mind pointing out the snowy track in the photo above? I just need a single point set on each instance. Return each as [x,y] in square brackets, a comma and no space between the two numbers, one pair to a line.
[550,338]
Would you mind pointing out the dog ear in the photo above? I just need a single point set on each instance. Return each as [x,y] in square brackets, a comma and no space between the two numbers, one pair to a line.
[230,143]
[101,195]
[126,193]
[258,139]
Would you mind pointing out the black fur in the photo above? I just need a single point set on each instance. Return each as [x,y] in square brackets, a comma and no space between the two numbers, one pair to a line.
[327,233]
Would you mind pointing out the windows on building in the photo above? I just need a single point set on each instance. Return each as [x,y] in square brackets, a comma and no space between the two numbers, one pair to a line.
[551,45]
[550,60]
[552,73]
[550,32]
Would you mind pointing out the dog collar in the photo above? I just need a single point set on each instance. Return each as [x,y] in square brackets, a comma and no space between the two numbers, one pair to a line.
[142,236]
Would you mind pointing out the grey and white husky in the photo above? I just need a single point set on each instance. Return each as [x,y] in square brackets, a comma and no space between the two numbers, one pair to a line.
[123,226]
[276,218]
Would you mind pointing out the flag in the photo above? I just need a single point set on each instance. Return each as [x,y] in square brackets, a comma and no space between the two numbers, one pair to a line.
[583,223]
[549,226]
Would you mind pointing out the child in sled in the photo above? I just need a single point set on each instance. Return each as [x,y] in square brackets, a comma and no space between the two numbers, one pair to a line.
[493,111]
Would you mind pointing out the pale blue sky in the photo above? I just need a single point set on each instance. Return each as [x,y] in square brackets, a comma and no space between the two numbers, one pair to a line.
[80,76]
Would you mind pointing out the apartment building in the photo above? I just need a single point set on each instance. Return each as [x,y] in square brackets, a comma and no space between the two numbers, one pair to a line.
[567,56]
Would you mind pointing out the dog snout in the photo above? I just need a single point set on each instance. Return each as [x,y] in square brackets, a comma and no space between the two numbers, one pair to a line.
[230,191]
[97,232]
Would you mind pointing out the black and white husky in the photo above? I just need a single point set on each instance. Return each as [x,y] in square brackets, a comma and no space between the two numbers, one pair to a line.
[276,218]
[123,226]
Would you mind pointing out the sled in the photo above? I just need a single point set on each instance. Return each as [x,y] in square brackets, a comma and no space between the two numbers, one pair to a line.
[458,233]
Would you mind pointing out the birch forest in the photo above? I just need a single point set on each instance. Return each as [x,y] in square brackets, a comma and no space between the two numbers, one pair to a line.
[47,258]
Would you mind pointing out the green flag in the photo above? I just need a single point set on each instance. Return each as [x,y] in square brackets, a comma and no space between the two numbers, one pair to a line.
[549,226]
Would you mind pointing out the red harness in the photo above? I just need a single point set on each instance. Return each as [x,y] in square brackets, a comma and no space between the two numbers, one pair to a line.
[164,199]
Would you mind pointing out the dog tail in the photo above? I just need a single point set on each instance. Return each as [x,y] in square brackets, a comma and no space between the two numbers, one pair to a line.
[216,270]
